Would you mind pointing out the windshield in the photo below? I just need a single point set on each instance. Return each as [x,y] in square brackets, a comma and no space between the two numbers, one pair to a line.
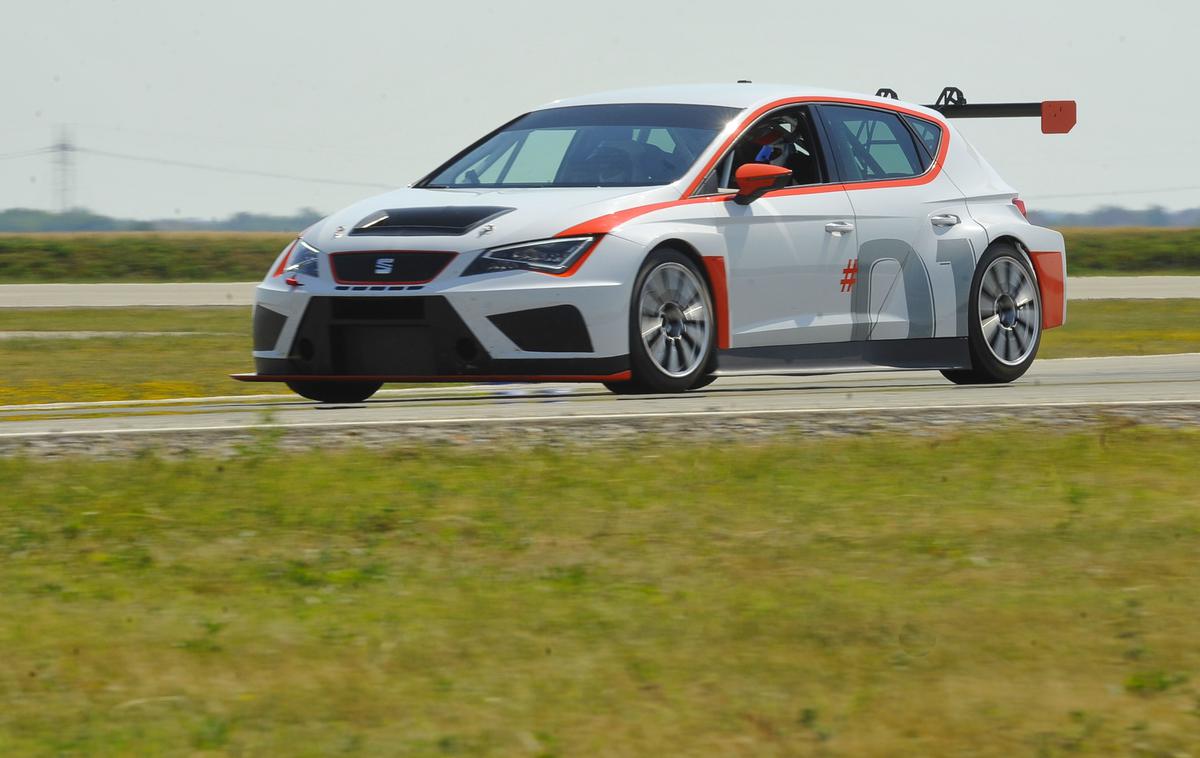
[618,145]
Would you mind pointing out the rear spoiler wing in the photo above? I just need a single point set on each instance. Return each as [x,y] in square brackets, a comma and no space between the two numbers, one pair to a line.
[1058,116]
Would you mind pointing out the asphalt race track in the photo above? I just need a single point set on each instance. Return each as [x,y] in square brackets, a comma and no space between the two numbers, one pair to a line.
[242,293]
[1149,381]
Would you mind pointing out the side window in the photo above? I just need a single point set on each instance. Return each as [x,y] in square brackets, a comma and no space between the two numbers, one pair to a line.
[928,132]
[782,138]
[870,144]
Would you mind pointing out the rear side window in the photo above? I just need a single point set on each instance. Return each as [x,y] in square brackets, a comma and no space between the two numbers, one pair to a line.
[929,133]
[871,144]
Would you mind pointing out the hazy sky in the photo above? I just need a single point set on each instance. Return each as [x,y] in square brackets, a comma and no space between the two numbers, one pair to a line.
[381,92]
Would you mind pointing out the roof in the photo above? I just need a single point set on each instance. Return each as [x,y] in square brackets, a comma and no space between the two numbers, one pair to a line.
[729,95]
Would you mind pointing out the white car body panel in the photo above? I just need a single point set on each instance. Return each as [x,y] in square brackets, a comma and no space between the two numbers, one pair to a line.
[783,270]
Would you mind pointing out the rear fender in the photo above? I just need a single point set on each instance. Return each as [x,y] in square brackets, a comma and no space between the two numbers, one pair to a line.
[1047,255]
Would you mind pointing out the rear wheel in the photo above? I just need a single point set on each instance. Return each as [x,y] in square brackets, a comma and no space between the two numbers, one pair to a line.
[671,328]
[1004,321]
[335,392]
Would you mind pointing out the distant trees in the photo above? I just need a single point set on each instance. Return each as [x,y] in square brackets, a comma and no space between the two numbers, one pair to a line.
[75,220]
[1111,215]
[80,220]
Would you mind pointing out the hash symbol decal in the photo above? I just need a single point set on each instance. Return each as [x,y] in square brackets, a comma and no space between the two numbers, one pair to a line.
[850,275]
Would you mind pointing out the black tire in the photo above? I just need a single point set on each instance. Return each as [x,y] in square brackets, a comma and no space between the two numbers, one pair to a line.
[687,343]
[335,392]
[633,388]
[626,388]
[999,365]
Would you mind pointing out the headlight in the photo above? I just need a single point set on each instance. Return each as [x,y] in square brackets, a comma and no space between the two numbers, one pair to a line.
[303,260]
[552,256]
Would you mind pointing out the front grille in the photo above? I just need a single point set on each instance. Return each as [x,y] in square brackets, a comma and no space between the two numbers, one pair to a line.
[389,266]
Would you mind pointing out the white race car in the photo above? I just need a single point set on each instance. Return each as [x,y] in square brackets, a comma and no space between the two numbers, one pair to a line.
[655,239]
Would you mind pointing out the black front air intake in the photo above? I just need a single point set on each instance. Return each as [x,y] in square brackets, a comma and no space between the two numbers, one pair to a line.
[556,329]
[452,221]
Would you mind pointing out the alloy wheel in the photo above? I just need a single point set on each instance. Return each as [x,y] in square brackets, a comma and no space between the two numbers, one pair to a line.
[1009,313]
[674,319]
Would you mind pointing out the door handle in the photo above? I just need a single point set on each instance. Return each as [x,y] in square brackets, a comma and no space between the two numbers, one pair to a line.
[945,219]
[839,227]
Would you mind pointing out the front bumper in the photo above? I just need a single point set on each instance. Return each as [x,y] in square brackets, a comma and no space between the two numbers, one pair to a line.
[423,338]
[516,325]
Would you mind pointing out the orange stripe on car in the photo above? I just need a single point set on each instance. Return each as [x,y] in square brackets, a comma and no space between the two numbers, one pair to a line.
[1048,265]
[715,265]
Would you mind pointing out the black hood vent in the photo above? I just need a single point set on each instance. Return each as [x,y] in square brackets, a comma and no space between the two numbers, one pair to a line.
[451,221]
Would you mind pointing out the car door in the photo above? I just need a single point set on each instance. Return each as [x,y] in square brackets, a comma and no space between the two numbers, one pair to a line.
[917,243]
[786,252]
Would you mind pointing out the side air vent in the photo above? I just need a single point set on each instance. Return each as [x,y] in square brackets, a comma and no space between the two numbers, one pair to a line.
[556,329]
[267,326]
[451,221]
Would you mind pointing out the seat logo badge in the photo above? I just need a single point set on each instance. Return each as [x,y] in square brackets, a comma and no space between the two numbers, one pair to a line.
[384,265]
[850,275]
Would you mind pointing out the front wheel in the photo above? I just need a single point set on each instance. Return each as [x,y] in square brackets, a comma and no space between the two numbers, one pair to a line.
[672,332]
[335,392]
[1004,319]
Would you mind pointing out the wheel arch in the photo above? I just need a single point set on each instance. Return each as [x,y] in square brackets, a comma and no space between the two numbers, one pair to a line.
[712,268]
[1049,275]
[1013,240]
[683,246]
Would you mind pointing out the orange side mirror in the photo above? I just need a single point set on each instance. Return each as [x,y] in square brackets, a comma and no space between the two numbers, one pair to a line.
[756,179]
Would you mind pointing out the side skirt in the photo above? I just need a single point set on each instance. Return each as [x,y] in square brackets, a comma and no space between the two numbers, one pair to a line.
[832,357]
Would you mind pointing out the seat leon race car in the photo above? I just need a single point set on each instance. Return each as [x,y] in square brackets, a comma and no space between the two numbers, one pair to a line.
[656,239]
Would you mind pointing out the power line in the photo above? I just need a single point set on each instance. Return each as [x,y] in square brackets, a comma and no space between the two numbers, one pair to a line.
[26,153]
[227,169]
[209,139]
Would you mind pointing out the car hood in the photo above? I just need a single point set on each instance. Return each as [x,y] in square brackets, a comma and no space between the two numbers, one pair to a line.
[535,214]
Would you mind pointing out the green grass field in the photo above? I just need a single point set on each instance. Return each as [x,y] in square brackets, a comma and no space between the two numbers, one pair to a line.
[1009,592]
[1125,327]
[211,343]
[1123,252]
[138,256]
[231,257]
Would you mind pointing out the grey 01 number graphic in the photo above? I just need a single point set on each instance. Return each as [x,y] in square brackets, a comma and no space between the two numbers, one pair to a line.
[918,291]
